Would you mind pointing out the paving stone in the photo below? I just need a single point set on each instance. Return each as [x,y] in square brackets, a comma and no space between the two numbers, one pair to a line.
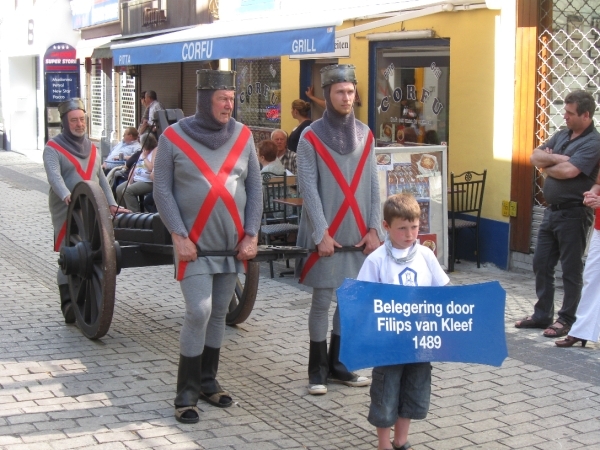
[59,390]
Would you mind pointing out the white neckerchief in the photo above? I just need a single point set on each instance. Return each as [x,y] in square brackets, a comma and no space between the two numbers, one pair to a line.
[412,251]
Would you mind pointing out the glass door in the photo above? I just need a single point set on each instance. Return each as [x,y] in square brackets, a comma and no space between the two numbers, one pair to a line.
[409,85]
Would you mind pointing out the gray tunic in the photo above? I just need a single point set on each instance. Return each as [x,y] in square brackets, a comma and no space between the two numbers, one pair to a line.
[322,199]
[63,176]
[180,190]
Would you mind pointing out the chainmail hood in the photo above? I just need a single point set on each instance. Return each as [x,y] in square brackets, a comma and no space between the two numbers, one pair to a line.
[77,146]
[203,127]
[340,132]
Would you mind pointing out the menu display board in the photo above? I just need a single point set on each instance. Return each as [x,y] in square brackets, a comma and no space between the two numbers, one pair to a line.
[420,171]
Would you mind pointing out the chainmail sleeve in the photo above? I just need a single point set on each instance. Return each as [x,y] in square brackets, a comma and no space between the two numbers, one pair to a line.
[103,182]
[55,179]
[307,183]
[163,188]
[254,206]
[375,213]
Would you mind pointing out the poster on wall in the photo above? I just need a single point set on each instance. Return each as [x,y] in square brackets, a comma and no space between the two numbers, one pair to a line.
[421,172]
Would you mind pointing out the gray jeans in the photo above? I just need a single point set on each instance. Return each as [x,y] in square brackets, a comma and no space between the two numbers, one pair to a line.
[562,235]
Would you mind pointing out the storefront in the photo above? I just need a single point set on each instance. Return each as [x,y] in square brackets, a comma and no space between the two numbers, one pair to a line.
[439,74]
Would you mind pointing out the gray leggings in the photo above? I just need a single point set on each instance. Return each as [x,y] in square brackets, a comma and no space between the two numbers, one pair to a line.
[318,318]
[207,299]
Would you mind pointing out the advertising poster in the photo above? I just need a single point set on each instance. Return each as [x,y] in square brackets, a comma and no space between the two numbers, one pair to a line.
[421,172]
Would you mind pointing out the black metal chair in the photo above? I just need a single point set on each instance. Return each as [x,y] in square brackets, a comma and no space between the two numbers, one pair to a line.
[275,223]
[466,199]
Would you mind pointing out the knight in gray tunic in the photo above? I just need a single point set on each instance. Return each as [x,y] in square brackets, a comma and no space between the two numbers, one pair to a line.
[70,158]
[337,176]
[208,192]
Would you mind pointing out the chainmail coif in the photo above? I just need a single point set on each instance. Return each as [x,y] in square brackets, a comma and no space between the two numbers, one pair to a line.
[340,132]
[77,146]
[203,127]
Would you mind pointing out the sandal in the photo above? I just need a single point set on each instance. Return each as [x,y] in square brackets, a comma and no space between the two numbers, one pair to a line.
[528,322]
[187,414]
[406,446]
[558,332]
[220,399]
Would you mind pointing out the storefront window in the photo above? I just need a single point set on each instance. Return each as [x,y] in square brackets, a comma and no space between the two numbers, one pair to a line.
[258,102]
[411,93]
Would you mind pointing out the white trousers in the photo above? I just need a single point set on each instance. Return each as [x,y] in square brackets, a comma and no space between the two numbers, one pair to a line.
[587,325]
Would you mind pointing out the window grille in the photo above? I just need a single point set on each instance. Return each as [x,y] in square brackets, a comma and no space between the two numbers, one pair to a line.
[128,103]
[97,101]
[569,59]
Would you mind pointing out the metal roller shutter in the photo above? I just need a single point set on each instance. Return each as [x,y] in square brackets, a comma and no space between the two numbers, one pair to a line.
[165,80]
[188,88]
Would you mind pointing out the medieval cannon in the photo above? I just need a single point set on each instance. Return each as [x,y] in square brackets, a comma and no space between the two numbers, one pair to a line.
[97,249]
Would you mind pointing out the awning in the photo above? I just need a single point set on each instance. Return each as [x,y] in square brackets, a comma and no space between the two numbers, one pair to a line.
[102,51]
[85,47]
[255,38]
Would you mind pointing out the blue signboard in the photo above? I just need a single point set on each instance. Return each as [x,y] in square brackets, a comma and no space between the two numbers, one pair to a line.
[87,13]
[61,86]
[384,324]
[290,42]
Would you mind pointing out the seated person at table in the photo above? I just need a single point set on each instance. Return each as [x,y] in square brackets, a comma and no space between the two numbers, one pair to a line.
[128,146]
[267,157]
[401,392]
[141,184]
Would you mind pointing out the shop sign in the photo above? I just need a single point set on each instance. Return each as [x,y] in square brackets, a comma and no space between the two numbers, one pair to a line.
[342,50]
[87,13]
[310,41]
[60,57]
[61,86]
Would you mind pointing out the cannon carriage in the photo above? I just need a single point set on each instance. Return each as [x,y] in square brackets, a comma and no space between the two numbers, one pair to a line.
[97,248]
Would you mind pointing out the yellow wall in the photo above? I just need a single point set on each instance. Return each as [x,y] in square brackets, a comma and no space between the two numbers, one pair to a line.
[471,103]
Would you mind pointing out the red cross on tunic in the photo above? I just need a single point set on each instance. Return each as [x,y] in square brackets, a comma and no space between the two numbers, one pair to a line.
[217,189]
[85,175]
[348,191]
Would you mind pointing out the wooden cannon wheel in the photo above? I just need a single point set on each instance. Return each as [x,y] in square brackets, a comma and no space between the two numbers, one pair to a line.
[89,256]
[244,296]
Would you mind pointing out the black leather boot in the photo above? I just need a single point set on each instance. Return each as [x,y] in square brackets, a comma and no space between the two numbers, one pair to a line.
[188,389]
[210,389]
[337,370]
[66,306]
[317,368]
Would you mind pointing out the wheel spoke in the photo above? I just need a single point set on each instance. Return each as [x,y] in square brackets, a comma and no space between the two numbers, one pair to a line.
[78,219]
[96,290]
[79,293]
[74,239]
[88,216]
[233,303]
[90,309]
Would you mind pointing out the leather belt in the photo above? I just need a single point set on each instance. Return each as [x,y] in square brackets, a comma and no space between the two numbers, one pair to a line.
[566,205]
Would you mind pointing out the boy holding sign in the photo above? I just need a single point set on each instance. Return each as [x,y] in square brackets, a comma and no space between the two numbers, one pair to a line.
[401,392]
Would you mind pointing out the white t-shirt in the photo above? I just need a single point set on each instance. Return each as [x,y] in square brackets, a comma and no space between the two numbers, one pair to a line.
[423,270]
[141,172]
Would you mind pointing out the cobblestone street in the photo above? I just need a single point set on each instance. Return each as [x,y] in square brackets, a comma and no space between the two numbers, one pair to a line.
[59,390]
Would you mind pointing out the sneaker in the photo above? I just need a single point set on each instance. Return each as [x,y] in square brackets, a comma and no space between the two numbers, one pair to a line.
[357,381]
[317,389]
